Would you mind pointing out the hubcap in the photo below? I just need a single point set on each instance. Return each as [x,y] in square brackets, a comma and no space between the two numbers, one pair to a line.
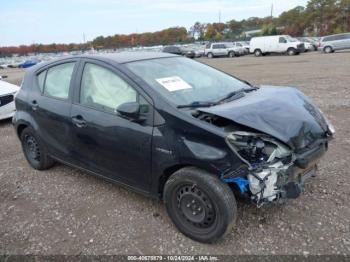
[32,148]
[195,206]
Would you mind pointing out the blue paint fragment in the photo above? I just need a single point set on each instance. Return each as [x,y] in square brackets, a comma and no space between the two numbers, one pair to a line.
[241,182]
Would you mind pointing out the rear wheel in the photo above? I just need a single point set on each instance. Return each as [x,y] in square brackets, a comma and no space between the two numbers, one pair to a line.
[201,206]
[328,49]
[34,151]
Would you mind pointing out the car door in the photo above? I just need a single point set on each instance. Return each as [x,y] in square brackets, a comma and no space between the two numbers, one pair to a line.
[216,49]
[103,141]
[281,45]
[223,50]
[337,42]
[50,106]
[347,41]
[343,41]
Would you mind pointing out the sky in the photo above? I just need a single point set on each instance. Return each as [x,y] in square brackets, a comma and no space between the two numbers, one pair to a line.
[67,21]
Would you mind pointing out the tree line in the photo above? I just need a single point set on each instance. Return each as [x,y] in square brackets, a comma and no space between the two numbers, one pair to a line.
[317,18]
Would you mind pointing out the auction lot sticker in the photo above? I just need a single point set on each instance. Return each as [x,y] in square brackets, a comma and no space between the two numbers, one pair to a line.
[173,83]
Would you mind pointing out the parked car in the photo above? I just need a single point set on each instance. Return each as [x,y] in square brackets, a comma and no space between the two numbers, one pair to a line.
[220,49]
[28,63]
[332,43]
[176,50]
[239,47]
[309,44]
[246,45]
[275,44]
[7,94]
[174,129]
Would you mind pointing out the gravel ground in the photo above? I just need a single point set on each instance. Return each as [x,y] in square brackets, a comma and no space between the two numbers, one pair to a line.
[66,211]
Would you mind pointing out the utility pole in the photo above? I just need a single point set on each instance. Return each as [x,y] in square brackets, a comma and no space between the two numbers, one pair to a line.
[219,16]
[271,10]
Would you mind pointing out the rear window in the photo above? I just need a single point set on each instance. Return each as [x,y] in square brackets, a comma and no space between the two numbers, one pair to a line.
[58,80]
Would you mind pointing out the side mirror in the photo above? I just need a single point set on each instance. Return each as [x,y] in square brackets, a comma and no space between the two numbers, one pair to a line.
[129,110]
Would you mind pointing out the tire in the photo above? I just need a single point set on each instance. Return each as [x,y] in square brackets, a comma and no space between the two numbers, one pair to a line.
[200,205]
[210,55]
[291,51]
[231,54]
[34,150]
[258,53]
[328,50]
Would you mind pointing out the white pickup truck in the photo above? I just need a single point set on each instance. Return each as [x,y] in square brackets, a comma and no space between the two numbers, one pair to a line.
[220,49]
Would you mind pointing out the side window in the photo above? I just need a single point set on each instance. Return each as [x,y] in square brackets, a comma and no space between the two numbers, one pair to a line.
[216,46]
[282,40]
[41,80]
[103,89]
[58,80]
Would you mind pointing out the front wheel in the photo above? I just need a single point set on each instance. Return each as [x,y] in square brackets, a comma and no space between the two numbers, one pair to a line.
[258,53]
[328,49]
[291,51]
[210,55]
[34,150]
[231,54]
[201,206]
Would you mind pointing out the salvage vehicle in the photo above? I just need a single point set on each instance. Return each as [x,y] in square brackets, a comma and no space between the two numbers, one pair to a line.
[173,129]
[7,102]
[332,43]
[221,49]
[283,44]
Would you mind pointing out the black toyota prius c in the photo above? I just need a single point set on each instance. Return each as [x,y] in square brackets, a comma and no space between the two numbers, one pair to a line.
[173,129]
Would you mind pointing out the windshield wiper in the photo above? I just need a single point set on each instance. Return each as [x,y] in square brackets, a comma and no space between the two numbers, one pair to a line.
[235,94]
[196,104]
[232,95]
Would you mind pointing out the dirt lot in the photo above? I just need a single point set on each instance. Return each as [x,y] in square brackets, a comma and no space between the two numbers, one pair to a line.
[66,211]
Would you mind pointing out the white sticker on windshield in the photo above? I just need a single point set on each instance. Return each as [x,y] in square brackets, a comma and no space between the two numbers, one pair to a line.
[173,83]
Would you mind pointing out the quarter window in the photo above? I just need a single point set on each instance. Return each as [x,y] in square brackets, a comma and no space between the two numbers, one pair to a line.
[58,80]
[41,80]
[103,89]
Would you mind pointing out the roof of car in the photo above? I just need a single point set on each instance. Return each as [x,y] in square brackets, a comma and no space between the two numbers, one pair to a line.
[125,57]
[120,58]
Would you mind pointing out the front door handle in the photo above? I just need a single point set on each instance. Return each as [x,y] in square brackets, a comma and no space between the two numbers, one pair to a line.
[79,121]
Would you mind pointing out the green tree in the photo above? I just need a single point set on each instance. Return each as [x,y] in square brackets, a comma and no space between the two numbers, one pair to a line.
[210,33]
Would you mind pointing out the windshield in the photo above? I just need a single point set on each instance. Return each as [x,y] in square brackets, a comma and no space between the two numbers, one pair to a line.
[291,39]
[184,81]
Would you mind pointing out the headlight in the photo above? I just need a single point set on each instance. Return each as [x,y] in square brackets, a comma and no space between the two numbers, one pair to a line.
[255,149]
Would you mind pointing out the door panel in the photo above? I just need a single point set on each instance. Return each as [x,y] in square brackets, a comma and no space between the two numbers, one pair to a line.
[102,140]
[112,146]
[50,107]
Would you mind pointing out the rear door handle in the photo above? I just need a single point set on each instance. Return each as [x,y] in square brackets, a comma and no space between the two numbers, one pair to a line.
[34,105]
[79,121]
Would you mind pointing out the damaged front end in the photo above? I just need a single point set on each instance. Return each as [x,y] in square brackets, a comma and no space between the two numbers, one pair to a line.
[279,135]
[269,173]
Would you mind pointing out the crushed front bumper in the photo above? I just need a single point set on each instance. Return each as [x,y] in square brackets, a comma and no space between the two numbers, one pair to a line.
[282,180]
